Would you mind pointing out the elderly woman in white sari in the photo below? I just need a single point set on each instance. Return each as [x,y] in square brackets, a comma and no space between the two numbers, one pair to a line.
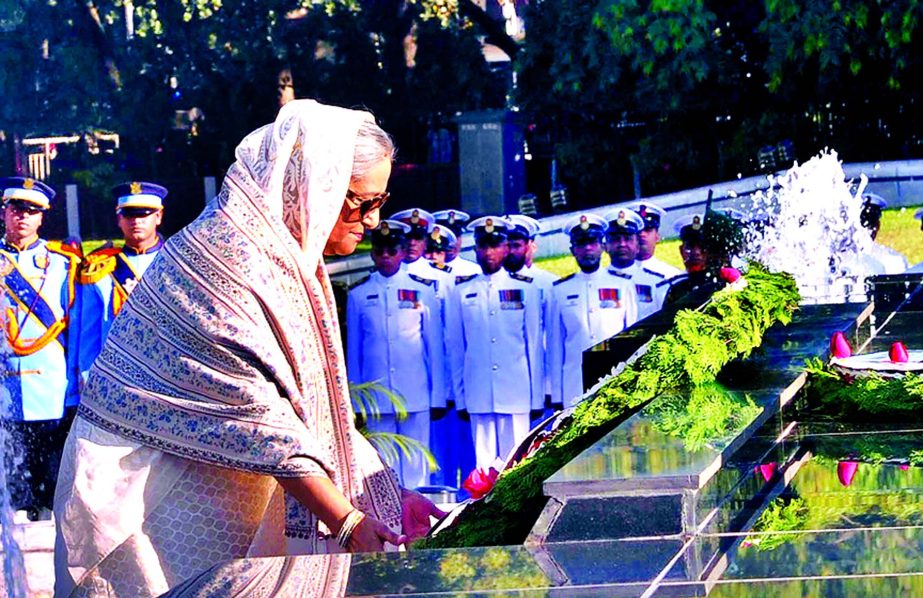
[216,423]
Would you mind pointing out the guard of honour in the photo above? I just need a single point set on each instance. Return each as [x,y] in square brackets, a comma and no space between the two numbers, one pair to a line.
[512,334]
[57,310]
[476,352]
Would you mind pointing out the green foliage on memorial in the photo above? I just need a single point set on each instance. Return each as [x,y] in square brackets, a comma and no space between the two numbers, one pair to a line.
[730,326]
[869,394]
[707,415]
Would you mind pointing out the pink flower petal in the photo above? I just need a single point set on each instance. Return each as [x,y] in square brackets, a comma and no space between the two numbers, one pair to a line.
[839,346]
[845,471]
[898,353]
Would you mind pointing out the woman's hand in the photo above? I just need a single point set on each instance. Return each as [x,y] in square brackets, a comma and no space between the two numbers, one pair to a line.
[416,510]
[371,534]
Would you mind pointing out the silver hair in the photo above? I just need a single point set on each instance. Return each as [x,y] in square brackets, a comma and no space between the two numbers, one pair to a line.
[373,145]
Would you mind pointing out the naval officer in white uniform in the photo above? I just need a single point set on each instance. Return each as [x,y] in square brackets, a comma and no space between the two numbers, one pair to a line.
[456,220]
[522,250]
[648,238]
[622,243]
[494,342]
[394,337]
[421,225]
[890,260]
[587,308]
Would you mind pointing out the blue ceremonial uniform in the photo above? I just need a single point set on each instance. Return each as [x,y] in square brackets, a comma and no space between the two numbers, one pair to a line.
[43,382]
[107,279]
[39,365]
[39,358]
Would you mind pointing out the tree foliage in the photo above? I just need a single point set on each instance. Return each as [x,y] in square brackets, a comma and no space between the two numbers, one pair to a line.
[688,90]
[130,67]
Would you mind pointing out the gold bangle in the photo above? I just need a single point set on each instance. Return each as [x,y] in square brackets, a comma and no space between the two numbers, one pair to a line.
[350,523]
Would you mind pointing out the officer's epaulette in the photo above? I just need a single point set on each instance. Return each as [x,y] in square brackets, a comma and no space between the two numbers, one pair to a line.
[97,265]
[62,249]
[619,274]
[444,267]
[672,281]
[362,280]
[428,281]
[522,277]
[461,279]
[657,274]
[560,280]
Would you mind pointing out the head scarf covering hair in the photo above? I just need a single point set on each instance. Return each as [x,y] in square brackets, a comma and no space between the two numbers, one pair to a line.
[228,351]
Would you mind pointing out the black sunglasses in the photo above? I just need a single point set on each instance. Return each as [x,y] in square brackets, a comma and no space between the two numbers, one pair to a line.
[136,212]
[24,208]
[392,251]
[364,205]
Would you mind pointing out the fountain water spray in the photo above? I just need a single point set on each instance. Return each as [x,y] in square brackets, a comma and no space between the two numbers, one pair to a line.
[809,226]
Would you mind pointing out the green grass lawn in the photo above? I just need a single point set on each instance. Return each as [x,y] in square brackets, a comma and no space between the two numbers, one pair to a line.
[899,230]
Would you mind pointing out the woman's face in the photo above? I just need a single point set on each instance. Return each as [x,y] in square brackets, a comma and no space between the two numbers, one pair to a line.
[346,235]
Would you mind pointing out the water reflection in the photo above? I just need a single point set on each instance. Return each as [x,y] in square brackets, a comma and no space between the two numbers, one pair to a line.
[824,588]
[826,495]
[444,571]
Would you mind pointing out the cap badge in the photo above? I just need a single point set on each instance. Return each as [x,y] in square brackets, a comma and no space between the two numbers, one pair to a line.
[385,229]
[489,225]
[28,184]
[436,235]
[643,211]
[451,217]
[621,221]
[415,217]
[584,224]
[135,188]
[696,223]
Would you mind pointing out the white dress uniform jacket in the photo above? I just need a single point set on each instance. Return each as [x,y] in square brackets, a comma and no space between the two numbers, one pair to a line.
[586,309]
[494,343]
[650,298]
[541,276]
[660,267]
[394,336]
[445,276]
[462,267]
[545,280]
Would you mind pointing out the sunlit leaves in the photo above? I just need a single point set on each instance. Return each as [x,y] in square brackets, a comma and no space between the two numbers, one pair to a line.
[442,10]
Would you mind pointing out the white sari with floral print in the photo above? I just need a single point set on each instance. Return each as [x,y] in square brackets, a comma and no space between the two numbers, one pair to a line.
[224,371]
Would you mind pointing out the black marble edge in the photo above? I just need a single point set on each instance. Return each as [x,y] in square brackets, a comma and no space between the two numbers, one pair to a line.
[855,318]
